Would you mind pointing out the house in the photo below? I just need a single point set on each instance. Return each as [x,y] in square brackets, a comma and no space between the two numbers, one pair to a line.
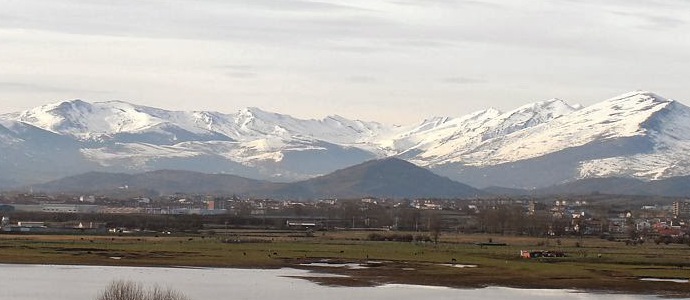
[304,225]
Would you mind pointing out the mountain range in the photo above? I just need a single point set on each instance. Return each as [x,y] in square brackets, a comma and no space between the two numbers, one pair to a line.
[638,135]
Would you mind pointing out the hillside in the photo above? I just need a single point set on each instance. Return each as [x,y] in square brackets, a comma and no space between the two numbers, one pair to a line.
[385,178]
[388,178]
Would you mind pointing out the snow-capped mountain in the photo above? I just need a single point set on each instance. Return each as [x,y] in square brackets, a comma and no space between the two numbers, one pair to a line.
[638,135]
[126,137]
[104,121]
[443,141]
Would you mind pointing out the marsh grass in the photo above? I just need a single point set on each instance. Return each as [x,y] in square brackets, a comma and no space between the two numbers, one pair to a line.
[129,290]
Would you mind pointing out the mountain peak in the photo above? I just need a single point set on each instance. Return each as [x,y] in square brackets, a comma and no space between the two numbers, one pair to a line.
[639,95]
[58,107]
[118,103]
[247,114]
[56,116]
[252,110]
[388,163]
[75,103]
[387,177]
[552,107]
[527,116]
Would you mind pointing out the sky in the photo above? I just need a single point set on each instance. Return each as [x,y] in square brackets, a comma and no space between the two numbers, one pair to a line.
[396,62]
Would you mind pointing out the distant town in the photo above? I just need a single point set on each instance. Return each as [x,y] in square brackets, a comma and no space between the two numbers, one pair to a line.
[630,219]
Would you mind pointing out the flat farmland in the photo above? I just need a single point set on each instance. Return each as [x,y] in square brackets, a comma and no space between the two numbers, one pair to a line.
[456,260]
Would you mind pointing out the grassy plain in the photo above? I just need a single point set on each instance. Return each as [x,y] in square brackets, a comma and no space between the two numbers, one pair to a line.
[591,264]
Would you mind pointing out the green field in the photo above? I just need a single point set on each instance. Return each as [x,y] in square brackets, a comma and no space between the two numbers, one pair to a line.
[591,264]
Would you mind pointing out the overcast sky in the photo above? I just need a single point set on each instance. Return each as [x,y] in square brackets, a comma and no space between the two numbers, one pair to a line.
[396,61]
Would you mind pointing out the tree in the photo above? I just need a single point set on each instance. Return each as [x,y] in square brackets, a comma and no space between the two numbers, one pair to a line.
[435,226]
[128,290]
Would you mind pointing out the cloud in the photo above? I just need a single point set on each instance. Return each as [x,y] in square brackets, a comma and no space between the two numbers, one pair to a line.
[362,79]
[423,43]
[263,21]
[358,49]
[242,75]
[665,21]
[463,80]
[380,53]
[241,71]
[447,3]
[654,22]
[301,6]
[40,88]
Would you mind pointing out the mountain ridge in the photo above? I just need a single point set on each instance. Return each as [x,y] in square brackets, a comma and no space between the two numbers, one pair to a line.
[635,135]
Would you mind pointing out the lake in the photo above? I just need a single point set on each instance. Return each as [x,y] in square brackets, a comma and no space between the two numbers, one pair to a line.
[54,282]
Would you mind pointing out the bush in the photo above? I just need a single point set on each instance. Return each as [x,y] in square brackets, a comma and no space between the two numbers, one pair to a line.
[397,237]
[127,290]
[157,293]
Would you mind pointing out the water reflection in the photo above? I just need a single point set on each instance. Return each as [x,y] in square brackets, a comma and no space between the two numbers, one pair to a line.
[32,282]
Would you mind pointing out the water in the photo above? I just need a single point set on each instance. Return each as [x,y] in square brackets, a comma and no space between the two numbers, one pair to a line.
[37,282]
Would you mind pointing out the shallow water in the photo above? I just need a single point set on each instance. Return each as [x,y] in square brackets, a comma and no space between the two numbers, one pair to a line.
[33,282]
[676,280]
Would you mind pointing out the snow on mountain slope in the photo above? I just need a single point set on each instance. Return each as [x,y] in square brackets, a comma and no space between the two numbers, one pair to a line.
[85,120]
[134,155]
[618,117]
[437,131]
[102,120]
[638,135]
[117,133]
[456,139]
[252,122]
[669,130]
